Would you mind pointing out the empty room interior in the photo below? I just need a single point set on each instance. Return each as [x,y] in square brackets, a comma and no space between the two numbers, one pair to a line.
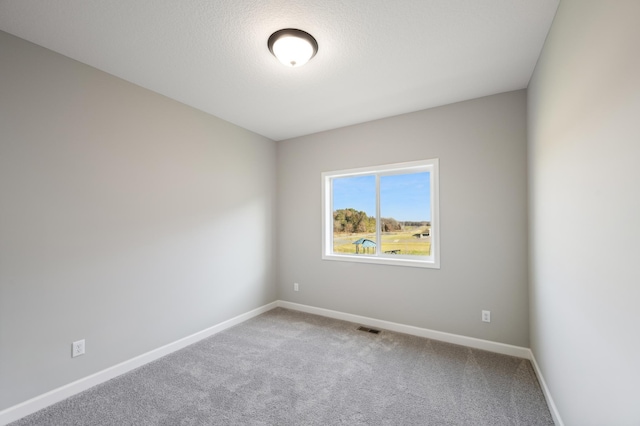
[165,180]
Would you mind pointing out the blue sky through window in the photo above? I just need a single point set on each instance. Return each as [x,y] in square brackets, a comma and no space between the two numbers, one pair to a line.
[358,192]
[404,197]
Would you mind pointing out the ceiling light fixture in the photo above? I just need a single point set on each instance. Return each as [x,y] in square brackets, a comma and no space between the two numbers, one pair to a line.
[292,47]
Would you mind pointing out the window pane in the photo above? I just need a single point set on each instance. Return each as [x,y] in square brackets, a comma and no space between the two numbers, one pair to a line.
[405,210]
[354,215]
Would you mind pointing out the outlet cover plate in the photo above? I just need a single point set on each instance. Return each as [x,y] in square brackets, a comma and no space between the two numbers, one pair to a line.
[77,348]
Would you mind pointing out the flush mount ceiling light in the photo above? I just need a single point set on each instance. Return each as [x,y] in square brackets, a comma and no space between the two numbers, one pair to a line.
[292,47]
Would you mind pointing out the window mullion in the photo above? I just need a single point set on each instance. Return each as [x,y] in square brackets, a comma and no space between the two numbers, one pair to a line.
[330,212]
[378,222]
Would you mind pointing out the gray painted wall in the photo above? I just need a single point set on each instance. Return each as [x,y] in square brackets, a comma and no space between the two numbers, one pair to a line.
[126,219]
[584,134]
[481,145]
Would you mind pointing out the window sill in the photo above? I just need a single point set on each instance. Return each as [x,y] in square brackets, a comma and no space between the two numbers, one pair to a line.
[380,260]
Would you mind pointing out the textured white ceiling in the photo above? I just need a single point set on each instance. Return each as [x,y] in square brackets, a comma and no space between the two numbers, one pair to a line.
[376,58]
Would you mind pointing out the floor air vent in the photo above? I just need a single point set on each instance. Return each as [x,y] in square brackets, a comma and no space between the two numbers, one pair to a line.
[369,330]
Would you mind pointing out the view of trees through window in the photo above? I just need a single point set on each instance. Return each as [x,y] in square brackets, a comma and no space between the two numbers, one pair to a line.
[404,220]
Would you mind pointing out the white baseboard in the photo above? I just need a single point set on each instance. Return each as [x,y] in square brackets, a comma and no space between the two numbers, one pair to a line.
[456,339]
[30,406]
[547,394]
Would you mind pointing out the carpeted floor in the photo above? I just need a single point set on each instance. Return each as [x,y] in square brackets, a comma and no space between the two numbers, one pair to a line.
[290,368]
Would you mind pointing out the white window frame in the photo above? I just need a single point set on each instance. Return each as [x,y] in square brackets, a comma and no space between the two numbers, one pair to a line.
[432,261]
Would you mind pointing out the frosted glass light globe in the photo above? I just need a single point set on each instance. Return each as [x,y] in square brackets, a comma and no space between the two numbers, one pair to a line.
[292,51]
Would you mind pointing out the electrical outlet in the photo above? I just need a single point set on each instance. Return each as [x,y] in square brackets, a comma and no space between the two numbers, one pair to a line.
[295,287]
[77,348]
[486,316]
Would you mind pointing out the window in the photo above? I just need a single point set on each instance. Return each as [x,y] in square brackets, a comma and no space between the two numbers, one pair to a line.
[383,214]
